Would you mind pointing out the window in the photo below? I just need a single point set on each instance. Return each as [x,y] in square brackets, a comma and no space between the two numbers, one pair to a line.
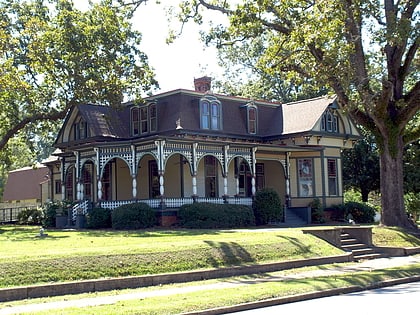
[106,182]
[69,184]
[210,113]
[143,119]
[329,122]
[154,185]
[305,177]
[57,185]
[332,177]
[259,176]
[210,174]
[135,121]
[87,180]
[81,130]
[252,120]
[153,119]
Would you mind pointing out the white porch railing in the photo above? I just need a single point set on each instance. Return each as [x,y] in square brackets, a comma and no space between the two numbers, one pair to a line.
[176,202]
[79,208]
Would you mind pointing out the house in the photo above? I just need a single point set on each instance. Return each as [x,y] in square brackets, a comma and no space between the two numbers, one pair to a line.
[27,186]
[184,146]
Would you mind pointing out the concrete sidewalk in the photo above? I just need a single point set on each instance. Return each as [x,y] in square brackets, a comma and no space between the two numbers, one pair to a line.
[367,265]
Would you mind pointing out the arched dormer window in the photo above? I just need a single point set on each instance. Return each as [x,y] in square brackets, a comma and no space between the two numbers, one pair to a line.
[81,130]
[143,119]
[329,121]
[210,113]
[252,119]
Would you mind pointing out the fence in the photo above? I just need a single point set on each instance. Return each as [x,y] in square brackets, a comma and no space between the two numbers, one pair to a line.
[10,215]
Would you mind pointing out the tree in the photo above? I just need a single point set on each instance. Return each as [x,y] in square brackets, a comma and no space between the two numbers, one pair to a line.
[361,167]
[54,56]
[365,50]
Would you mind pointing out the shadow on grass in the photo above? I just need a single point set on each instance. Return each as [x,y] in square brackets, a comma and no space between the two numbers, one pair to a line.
[151,233]
[228,254]
[296,242]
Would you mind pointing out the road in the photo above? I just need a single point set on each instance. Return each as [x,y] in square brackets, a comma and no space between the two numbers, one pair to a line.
[393,300]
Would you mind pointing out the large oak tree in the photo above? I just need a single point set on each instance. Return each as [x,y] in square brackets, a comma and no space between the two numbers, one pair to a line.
[53,56]
[365,50]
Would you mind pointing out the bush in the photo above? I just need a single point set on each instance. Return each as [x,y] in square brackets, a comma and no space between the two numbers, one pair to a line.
[212,216]
[30,216]
[98,218]
[412,205]
[53,208]
[360,213]
[317,211]
[267,206]
[133,216]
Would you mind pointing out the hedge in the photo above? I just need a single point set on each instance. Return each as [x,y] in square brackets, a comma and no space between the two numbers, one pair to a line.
[133,216]
[211,216]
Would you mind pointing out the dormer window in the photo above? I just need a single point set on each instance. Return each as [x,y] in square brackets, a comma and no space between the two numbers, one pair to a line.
[210,113]
[329,121]
[143,119]
[252,119]
[81,130]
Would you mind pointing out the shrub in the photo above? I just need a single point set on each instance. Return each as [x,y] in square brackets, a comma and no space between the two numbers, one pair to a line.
[267,206]
[30,216]
[360,212]
[50,210]
[133,216]
[98,218]
[412,204]
[211,216]
[317,211]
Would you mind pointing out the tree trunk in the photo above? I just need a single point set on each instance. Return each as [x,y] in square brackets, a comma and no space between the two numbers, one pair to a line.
[392,193]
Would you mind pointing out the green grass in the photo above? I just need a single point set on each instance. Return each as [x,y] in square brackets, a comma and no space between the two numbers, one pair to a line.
[242,291]
[77,255]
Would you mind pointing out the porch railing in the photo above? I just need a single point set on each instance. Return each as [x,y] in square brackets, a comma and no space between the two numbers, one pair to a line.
[80,208]
[177,202]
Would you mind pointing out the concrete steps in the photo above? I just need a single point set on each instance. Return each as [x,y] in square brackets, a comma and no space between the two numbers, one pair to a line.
[360,250]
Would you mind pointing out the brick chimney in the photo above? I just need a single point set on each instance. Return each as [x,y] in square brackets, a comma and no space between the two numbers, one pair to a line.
[202,84]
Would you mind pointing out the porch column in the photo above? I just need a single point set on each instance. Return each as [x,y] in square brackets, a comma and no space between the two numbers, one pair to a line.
[79,194]
[237,185]
[254,161]
[225,185]
[194,185]
[63,179]
[287,173]
[134,186]
[98,173]
[134,171]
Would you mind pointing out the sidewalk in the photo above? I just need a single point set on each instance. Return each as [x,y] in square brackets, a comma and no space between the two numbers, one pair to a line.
[367,265]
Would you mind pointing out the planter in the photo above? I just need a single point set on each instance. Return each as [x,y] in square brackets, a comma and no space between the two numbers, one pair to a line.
[60,221]
[80,221]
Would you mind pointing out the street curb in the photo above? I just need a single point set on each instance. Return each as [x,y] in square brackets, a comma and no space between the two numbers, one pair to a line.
[96,285]
[302,297]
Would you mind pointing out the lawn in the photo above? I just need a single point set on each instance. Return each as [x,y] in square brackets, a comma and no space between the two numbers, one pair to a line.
[66,255]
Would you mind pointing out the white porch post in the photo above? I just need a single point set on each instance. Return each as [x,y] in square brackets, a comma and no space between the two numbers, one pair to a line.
[63,179]
[98,173]
[79,195]
[287,179]
[253,188]
[134,171]
[194,171]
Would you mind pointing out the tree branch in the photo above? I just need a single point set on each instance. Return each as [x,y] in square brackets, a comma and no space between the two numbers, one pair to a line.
[52,116]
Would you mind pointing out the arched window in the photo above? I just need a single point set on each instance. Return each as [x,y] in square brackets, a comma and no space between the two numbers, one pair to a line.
[81,130]
[329,122]
[143,119]
[252,119]
[210,113]
[135,121]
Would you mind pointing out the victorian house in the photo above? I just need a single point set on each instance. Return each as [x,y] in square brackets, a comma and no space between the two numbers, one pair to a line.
[184,146]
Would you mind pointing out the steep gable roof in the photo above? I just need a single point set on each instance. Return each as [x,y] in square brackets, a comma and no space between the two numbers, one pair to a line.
[302,116]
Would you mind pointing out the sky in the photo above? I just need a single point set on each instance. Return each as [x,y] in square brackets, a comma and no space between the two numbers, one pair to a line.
[177,64]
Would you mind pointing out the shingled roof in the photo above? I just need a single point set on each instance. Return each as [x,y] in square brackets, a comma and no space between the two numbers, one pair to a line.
[24,183]
[302,116]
